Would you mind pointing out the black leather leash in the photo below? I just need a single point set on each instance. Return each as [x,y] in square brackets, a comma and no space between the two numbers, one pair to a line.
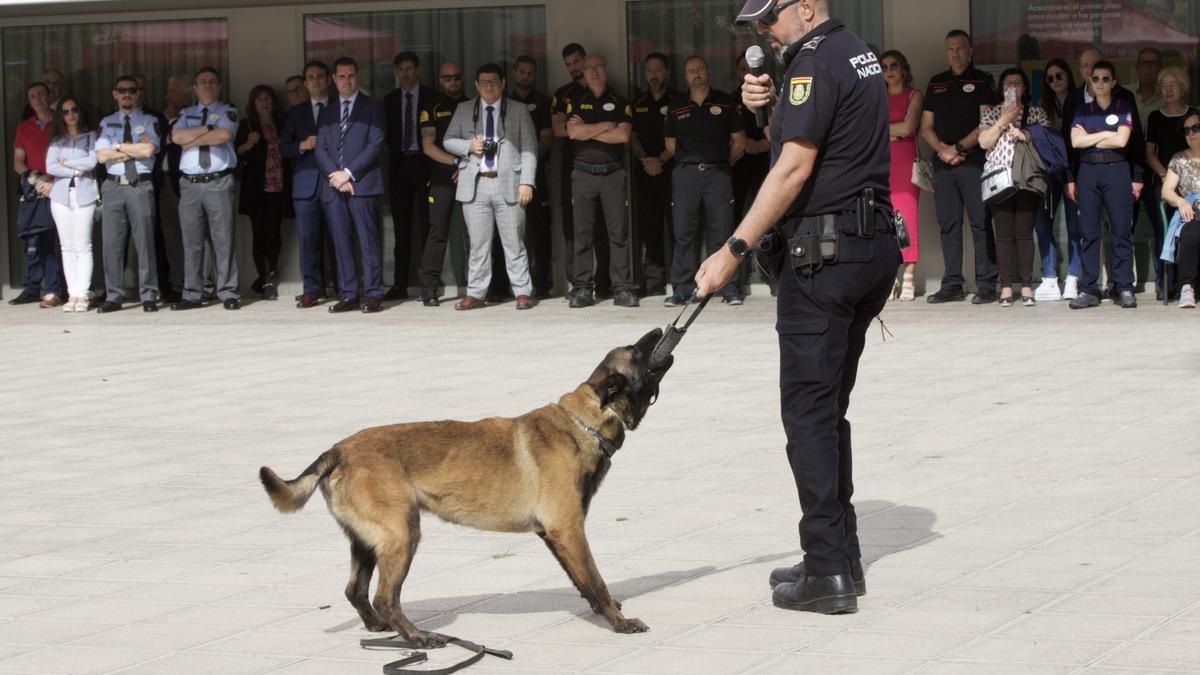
[398,667]
[672,334]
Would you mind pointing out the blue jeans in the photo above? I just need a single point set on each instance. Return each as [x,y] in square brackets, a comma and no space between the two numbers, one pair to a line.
[1044,226]
[1105,187]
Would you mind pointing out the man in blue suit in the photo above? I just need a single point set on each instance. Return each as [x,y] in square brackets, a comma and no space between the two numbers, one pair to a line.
[299,142]
[350,137]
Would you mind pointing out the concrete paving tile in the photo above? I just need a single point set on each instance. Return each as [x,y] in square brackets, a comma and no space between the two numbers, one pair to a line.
[951,667]
[663,660]
[965,598]
[1036,650]
[67,659]
[226,615]
[938,621]
[773,639]
[1123,605]
[855,642]
[1176,630]
[804,662]
[103,609]
[151,634]
[283,644]
[13,606]
[41,632]
[1155,656]
[314,666]
[1068,626]
[591,630]
[192,662]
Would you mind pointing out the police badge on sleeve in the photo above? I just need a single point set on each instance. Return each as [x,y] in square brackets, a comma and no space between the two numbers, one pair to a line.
[799,89]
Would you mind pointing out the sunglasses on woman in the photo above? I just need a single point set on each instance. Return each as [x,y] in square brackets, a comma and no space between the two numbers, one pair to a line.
[1101,79]
[70,111]
[1056,77]
[891,65]
[1194,129]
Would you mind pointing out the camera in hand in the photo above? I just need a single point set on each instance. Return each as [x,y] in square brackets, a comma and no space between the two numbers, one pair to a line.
[490,146]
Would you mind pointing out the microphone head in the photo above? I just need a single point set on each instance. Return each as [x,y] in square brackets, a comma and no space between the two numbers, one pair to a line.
[755,56]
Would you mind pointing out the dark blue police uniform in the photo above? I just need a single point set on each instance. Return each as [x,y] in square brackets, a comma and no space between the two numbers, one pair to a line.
[1104,180]
[833,98]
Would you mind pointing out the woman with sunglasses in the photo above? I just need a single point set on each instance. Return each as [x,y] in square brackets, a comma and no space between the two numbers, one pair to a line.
[1181,189]
[263,195]
[904,119]
[1101,131]
[71,159]
[1001,128]
[1058,82]
[1165,139]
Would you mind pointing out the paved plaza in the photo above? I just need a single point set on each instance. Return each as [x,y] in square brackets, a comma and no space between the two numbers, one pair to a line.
[1027,488]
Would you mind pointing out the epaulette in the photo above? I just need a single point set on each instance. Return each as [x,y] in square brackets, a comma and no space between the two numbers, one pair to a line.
[812,44]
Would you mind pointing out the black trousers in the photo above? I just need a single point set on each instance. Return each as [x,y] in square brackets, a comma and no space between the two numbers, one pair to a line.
[652,204]
[955,188]
[600,203]
[407,181]
[822,323]
[712,188]
[265,221]
[538,241]
[1013,220]
[1187,255]
[441,210]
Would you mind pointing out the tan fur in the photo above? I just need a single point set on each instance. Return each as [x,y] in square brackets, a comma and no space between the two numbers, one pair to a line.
[532,473]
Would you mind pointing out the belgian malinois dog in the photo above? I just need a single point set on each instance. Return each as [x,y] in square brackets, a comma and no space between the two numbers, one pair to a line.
[533,473]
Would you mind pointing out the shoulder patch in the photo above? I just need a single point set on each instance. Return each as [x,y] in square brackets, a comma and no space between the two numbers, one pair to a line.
[628,111]
[799,89]
[424,116]
[812,44]
[231,114]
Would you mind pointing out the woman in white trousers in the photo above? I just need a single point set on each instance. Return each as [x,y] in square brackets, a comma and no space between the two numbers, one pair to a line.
[71,159]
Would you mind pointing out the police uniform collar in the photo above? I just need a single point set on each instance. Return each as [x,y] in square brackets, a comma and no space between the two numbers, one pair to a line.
[812,38]
[607,92]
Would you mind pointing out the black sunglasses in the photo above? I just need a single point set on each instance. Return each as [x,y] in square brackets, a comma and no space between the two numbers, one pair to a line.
[451,78]
[772,15]
[1101,79]
[126,90]
[892,65]
[69,111]
[1056,77]
[1194,129]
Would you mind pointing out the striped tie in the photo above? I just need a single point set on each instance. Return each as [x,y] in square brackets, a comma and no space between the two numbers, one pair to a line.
[342,134]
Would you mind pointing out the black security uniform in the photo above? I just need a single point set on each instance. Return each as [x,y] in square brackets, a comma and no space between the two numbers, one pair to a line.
[559,103]
[537,213]
[436,114]
[824,312]
[408,176]
[954,101]
[598,179]
[702,133]
[652,194]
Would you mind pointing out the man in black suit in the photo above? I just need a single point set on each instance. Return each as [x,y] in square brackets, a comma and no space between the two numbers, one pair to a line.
[298,142]
[408,171]
[350,138]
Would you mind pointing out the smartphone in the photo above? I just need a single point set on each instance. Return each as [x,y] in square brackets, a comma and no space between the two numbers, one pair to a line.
[1010,96]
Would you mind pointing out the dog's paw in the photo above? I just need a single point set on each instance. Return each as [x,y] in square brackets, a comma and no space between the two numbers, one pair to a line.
[617,604]
[377,626]
[630,626]
[427,640]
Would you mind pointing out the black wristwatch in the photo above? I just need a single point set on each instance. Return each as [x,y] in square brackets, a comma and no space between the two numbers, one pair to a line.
[210,127]
[738,247]
[958,147]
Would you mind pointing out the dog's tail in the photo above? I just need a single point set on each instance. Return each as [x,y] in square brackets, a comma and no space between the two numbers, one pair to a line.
[292,495]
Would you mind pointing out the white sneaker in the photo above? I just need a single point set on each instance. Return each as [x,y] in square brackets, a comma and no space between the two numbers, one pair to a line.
[1070,289]
[1187,297]
[1048,291]
[69,305]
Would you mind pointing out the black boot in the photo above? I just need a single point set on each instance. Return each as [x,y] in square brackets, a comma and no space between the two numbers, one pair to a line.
[823,595]
[786,575]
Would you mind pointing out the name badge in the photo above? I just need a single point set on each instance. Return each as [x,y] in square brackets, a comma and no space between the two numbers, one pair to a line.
[716,110]
[139,129]
[609,107]
[1111,120]
[662,110]
[531,107]
[213,117]
[968,88]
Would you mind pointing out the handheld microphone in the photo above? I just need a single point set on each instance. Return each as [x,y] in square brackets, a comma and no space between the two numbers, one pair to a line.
[755,59]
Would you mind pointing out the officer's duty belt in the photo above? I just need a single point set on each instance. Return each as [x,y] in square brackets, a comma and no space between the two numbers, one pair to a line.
[124,181]
[1101,158]
[706,166]
[206,177]
[597,169]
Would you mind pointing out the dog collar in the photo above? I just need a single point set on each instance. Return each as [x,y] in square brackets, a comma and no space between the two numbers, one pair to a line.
[606,446]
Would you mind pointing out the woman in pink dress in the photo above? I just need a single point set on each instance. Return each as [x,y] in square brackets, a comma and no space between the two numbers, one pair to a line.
[904,117]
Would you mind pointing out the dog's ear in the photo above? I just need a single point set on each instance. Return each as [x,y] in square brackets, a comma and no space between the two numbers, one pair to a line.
[612,385]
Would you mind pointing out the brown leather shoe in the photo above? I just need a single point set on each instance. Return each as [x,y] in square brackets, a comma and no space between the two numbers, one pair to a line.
[50,300]
[524,302]
[306,300]
[469,302]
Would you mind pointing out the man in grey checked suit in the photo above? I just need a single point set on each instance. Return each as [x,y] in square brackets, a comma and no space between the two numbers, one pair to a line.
[497,142]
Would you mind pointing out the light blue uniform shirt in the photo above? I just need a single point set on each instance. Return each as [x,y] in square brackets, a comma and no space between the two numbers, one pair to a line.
[112,131]
[221,157]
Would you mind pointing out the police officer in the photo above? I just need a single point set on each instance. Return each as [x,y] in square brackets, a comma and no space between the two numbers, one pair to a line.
[829,151]
[128,143]
[162,238]
[601,123]
[704,133]
[1102,131]
[652,170]
[205,132]
[443,175]
[537,214]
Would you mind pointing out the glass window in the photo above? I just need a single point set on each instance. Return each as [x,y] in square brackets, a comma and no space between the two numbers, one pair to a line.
[90,56]
[472,37]
[680,28]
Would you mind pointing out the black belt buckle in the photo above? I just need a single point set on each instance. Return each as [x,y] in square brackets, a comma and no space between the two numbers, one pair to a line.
[805,249]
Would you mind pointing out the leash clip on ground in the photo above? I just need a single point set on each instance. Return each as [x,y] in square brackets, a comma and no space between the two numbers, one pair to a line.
[415,656]
[672,334]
